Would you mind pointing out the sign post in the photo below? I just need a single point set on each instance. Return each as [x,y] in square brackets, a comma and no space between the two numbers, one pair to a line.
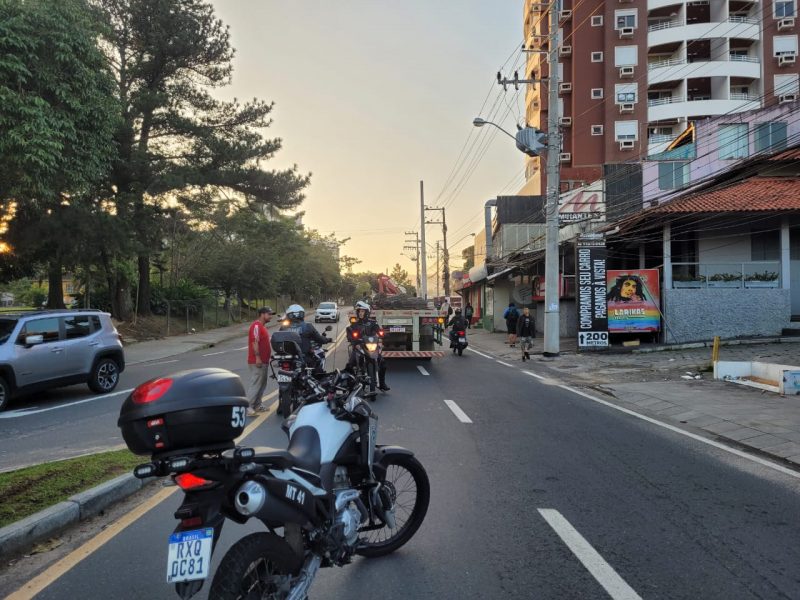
[590,293]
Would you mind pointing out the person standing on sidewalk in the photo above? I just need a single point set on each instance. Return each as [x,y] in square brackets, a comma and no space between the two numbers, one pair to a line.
[526,331]
[511,316]
[258,355]
[468,312]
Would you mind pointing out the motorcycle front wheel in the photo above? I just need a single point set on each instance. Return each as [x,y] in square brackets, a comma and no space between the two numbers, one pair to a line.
[409,488]
[260,565]
[372,378]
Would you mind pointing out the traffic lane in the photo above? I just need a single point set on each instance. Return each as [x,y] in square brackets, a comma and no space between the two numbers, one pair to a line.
[71,425]
[445,538]
[675,517]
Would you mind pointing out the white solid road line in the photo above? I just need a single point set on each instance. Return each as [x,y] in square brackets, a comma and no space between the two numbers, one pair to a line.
[505,364]
[163,362]
[532,374]
[460,414]
[480,353]
[422,370]
[24,412]
[605,575]
[694,436]
[215,353]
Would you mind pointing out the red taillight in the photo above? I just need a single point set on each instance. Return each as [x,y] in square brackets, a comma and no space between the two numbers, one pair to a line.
[192,522]
[286,366]
[380,333]
[461,332]
[190,481]
[155,422]
[355,335]
[151,391]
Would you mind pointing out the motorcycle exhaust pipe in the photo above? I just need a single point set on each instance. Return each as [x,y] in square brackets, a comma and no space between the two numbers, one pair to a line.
[250,498]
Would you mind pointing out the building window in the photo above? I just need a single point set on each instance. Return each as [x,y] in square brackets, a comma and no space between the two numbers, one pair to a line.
[597,20]
[597,130]
[733,141]
[624,18]
[626,56]
[784,8]
[787,84]
[597,57]
[784,44]
[765,245]
[626,130]
[672,175]
[770,136]
[597,93]
[625,93]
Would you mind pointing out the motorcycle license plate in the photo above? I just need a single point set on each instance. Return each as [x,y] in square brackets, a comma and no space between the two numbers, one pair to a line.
[462,340]
[189,555]
[284,378]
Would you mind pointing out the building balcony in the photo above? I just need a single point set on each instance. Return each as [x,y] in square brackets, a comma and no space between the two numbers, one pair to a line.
[675,32]
[677,69]
[658,143]
[682,108]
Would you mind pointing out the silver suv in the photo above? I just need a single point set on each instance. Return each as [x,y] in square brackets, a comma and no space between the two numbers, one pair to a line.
[53,348]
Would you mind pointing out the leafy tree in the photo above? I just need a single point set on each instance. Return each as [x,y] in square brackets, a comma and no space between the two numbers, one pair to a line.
[57,116]
[174,136]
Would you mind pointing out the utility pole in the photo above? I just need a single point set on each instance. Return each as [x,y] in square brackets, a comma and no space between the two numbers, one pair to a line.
[423,280]
[415,249]
[437,268]
[445,251]
[552,323]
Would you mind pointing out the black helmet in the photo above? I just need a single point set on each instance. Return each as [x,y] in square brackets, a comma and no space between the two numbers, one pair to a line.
[458,311]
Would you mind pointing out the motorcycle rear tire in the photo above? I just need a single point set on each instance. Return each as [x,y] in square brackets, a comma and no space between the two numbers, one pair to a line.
[253,566]
[284,402]
[406,531]
[460,351]
[372,378]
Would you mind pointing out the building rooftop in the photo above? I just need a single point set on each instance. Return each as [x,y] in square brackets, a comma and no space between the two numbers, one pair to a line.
[756,194]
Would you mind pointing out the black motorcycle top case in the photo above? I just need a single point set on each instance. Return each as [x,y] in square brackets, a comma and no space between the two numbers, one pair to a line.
[286,342]
[200,408]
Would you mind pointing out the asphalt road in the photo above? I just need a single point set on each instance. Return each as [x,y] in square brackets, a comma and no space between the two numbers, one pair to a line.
[537,492]
[67,422]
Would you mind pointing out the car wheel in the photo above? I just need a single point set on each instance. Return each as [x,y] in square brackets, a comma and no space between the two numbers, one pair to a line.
[5,394]
[104,376]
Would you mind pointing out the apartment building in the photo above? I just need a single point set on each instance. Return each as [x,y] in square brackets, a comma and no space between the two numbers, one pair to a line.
[635,73]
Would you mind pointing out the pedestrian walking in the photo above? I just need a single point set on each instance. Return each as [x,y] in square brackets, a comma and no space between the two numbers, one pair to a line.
[526,331]
[468,312]
[511,316]
[258,355]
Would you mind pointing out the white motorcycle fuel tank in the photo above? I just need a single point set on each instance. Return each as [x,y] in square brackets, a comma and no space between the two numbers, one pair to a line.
[332,433]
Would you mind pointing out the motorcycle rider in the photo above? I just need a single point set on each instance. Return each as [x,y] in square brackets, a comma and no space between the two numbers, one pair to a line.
[307,332]
[458,323]
[366,327]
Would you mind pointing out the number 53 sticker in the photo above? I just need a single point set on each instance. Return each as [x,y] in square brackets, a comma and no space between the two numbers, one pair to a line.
[238,416]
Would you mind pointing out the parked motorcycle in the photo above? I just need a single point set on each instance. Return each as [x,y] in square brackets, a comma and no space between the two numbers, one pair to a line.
[458,341]
[290,363]
[332,494]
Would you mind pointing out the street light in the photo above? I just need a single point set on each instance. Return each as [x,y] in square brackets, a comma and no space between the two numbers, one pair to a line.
[529,140]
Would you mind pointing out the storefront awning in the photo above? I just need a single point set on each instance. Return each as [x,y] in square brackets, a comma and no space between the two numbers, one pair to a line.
[494,276]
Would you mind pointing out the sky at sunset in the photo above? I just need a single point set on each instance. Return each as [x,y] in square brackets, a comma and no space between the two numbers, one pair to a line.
[372,96]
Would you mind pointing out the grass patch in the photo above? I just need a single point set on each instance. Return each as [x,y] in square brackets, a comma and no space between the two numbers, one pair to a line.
[27,491]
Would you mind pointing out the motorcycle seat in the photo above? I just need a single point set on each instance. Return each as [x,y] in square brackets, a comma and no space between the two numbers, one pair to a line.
[280,459]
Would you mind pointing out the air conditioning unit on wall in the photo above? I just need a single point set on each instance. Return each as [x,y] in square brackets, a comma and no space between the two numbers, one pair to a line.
[626,72]
[787,23]
[565,157]
[626,108]
[785,60]
[565,87]
[565,121]
[625,32]
[626,145]
[786,98]
[564,15]
[565,51]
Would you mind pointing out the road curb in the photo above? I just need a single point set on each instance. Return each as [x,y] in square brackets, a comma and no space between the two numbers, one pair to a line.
[26,533]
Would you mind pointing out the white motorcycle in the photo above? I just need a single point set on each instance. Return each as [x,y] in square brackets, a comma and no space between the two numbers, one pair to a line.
[333,493]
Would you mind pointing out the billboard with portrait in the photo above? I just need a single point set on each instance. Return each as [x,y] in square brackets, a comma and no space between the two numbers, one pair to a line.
[634,299]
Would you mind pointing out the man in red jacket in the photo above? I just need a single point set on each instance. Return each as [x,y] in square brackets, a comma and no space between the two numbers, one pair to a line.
[258,354]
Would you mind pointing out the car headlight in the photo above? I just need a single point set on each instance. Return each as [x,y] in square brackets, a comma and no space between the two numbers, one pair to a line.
[371,346]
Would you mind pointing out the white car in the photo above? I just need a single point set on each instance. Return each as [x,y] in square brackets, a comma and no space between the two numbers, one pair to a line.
[326,311]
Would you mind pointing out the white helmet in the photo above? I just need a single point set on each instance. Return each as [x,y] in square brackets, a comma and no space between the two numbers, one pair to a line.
[295,312]
[361,305]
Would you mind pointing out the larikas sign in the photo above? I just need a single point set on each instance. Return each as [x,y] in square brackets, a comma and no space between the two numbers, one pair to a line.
[590,265]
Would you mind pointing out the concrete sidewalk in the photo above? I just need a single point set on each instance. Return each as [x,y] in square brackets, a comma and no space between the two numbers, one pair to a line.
[676,387]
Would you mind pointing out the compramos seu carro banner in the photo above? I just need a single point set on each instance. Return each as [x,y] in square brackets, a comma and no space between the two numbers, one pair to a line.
[634,299]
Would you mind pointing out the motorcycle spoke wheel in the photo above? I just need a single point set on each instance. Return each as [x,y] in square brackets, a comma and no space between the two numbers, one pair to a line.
[408,487]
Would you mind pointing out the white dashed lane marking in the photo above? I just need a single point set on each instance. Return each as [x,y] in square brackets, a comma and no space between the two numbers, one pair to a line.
[480,353]
[605,575]
[422,370]
[460,414]
[505,364]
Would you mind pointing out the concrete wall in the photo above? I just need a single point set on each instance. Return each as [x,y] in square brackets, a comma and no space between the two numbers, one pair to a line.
[568,315]
[700,314]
